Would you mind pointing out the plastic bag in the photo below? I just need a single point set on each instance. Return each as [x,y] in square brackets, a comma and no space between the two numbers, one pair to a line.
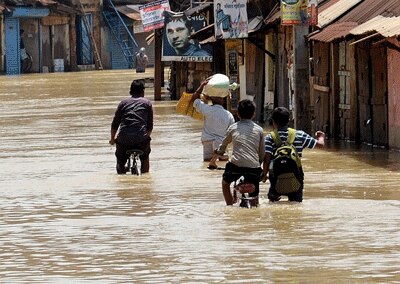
[219,86]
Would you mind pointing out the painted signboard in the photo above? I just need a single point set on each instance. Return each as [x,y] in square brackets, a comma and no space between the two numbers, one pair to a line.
[230,18]
[299,12]
[152,14]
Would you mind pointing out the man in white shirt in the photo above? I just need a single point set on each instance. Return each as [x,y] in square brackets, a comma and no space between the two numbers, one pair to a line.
[216,122]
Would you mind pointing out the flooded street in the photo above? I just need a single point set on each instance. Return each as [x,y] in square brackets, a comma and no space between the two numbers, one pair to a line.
[67,217]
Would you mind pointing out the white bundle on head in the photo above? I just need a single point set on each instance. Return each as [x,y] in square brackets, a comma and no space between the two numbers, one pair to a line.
[219,86]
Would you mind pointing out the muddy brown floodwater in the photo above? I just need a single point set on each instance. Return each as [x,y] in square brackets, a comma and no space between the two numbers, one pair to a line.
[66,217]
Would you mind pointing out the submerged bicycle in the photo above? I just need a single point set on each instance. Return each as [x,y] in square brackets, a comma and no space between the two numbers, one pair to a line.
[133,164]
[242,190]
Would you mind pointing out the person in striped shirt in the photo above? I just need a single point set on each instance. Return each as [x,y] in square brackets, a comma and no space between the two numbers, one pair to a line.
[280,120]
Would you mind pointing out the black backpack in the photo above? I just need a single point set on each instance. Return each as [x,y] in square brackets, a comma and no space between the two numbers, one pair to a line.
[285,165]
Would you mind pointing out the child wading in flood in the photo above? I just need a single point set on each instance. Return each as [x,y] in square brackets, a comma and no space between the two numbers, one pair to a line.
[280,120]
[247,140]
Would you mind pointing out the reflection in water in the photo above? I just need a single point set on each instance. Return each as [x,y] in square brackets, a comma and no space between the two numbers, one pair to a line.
[67,217]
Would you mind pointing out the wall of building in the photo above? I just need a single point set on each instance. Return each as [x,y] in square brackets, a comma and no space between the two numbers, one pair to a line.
[364,93]
[270,75]
[31,40]
[320,90]
[379,95]
[254,76]
[2,43]
[55,44]
[285,36]
[394,95]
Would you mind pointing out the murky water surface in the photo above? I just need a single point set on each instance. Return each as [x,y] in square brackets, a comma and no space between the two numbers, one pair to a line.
[65,216]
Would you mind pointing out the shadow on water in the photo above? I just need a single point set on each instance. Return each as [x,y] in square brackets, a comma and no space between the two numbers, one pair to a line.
[67,217]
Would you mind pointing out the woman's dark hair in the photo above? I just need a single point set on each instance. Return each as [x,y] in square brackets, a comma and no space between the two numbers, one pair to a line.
[137,87]
[246,109]
[280,116]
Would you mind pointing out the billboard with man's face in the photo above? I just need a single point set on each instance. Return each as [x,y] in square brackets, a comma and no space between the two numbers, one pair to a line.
[177,44]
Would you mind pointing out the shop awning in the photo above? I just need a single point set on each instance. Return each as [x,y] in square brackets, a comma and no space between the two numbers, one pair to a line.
[65,9]
[150,38]
[274,16]
[131,11]
[386,26]
[333,32]
[335,11]
[255,24]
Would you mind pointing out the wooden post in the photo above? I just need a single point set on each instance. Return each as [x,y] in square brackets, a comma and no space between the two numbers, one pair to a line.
[301,100]
[157,65]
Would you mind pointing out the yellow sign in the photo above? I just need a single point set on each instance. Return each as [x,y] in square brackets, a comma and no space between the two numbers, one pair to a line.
[294,12]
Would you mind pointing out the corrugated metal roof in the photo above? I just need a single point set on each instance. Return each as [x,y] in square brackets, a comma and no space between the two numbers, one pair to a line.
[335,11]
[369,9]
[366,10]
[273,16]
[334,31]
[255,24]
[388,27]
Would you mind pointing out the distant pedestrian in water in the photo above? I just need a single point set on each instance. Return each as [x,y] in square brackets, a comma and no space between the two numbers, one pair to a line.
[24,55]
[132,126]
[141,61]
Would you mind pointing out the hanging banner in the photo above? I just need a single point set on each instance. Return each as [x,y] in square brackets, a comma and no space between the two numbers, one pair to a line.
[230,18]
[294,12]
[152,14]
[177,44]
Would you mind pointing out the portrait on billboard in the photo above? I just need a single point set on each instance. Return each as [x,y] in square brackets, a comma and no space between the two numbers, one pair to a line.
[177,44]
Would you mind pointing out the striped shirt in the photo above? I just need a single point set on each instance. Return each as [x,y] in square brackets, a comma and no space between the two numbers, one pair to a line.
[302,140]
